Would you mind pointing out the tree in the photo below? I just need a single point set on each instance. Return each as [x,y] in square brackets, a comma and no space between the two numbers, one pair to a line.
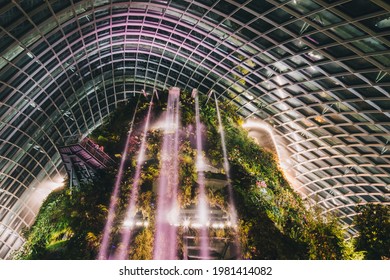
[373,222]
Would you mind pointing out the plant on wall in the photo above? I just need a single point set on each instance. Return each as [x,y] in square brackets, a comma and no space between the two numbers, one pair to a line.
[273,220]
[373,222]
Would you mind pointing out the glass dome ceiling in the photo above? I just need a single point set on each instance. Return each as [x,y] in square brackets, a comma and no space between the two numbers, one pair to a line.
[316,70]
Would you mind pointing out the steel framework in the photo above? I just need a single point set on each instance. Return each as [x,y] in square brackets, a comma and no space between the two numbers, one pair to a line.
[316,70]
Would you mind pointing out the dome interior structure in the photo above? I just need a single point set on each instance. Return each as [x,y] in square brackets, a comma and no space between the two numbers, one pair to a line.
[315,71]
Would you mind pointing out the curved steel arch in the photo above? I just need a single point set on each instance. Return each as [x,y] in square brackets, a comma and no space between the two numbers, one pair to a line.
[285,62]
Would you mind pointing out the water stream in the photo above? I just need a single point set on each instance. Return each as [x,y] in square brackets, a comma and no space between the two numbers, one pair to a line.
[202,209]
[226,165]
[167,215]
[128,222]
[103,250]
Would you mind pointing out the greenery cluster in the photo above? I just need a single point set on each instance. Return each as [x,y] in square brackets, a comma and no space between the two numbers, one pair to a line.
[373,223]
[274,222]
[69,223]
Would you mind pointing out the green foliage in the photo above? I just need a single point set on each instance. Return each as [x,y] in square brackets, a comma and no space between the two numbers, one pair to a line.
[350,252]
[67,222]
[143,245]
[373,222]
[325,240]
[187,174]
[273,220]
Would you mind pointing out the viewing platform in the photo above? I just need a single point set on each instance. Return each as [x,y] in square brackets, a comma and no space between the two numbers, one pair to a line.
[82,160]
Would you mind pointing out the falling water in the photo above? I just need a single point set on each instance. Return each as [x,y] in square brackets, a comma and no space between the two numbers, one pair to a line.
[202,202]
[232,208]
[131,208]
[103,250]
[165,243]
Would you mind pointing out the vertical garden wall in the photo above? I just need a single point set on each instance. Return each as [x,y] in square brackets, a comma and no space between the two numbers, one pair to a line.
[273,221]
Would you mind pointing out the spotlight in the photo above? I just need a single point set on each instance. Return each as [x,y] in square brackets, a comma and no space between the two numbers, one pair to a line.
[128,223]
[186,223]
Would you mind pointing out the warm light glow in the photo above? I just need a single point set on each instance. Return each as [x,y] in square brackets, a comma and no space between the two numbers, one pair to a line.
[320,119]
[257,124]
[186,223]
[128,223]
[196,225]
[38,193]
[218,225]
[282,153]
